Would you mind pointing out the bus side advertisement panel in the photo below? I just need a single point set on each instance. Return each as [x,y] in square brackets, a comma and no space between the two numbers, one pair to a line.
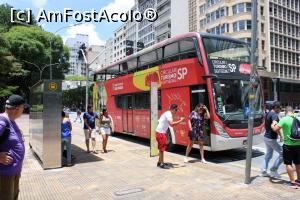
[186,72]
[179,96]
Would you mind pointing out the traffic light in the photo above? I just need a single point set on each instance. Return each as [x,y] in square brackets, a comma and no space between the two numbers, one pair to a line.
[129,43]
[140,45]
[81,47]
[129,51]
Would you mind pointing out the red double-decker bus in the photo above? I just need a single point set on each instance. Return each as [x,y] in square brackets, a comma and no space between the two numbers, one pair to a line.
[191,68]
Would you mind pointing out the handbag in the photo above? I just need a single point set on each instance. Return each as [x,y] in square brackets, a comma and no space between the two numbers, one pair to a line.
[191,134]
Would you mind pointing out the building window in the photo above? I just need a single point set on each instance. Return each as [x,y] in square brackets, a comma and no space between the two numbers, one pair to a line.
[241,8]
[262,27]
[263,45]
[261,10]
[242,25]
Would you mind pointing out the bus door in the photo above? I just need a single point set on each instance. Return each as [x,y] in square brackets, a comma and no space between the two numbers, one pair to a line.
[127,114]
[199,95]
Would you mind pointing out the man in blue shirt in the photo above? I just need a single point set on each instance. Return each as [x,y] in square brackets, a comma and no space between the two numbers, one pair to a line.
[89,128]
[12,149]
[271,143]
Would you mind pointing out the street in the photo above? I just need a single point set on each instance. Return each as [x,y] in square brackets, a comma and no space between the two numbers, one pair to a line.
[127,172]
[235,157]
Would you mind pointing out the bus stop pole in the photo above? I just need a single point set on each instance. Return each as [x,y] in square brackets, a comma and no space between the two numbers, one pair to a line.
[251,97]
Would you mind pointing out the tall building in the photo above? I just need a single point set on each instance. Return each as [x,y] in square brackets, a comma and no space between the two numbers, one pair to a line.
[119,43]
[285,38]
[284,33]
[193,15]
[233,18]
[170,21]
[131,31]
[109,52]
[95,54]
[76,65]
[146,31]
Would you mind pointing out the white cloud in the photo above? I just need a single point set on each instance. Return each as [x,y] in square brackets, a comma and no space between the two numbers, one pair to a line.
[39,3]
[119,6]
[88,29]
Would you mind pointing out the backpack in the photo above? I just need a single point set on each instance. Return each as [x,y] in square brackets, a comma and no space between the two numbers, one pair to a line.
[295,131]
[6,132]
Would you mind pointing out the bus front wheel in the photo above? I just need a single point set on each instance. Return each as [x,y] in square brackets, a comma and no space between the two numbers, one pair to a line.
[170,145]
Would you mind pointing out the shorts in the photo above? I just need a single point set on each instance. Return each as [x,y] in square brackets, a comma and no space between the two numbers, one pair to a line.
[105,131]
[162,141]
[89,135]
[291,154]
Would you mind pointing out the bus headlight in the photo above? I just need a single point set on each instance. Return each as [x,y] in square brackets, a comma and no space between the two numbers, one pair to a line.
[220,130]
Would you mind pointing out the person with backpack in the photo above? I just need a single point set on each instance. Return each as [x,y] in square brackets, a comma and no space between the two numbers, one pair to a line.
[290,126]
[12,148]
[271,143]
[106,128]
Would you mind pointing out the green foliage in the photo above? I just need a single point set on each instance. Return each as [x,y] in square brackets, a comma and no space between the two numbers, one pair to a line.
[20,43]
[75,97]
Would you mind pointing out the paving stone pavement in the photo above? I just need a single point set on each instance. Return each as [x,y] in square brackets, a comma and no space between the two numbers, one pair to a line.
[127,172]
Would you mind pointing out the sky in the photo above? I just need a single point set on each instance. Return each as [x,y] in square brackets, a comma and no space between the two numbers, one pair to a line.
[98,32]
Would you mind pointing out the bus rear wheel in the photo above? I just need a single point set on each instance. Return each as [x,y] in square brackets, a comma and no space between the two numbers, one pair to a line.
[170,145]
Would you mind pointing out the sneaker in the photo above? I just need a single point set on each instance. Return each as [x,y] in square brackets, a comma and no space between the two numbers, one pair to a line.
[164,166]
[294,185]
[185,160]
[274,174]
[297,182]
[203,161]
[263,174]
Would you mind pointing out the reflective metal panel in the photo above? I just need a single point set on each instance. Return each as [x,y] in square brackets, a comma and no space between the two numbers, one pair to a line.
[45,122]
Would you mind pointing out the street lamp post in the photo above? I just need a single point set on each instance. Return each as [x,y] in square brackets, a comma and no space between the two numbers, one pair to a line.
[41,69]
[50,42]
[253,82]
[87,65]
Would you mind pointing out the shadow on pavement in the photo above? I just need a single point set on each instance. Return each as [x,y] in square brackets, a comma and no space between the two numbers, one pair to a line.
[214,157]
[82,156]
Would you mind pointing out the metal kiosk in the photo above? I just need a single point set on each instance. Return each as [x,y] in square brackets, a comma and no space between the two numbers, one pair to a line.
[45,122]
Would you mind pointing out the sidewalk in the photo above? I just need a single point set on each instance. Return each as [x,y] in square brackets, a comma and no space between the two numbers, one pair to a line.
[127,172]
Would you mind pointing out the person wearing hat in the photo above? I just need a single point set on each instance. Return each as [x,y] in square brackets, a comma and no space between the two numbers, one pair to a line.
[165,120]
[12,149]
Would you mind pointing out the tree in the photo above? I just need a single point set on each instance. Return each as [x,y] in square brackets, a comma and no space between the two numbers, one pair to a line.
[22,43]
[5,17]
[32,44]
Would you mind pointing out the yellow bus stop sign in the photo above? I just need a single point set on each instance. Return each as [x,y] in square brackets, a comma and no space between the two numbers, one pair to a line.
[52,86]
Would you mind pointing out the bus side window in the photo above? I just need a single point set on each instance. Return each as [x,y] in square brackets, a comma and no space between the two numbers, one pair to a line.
[171,52]
[119,101]
[187,49]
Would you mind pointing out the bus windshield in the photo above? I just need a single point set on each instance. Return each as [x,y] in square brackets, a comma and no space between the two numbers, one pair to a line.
[231,99]
[225,49]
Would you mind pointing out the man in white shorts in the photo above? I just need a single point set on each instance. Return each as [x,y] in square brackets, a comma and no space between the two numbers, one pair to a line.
[89,128]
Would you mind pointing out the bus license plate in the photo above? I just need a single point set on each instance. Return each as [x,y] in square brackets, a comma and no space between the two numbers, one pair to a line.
[245,142]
